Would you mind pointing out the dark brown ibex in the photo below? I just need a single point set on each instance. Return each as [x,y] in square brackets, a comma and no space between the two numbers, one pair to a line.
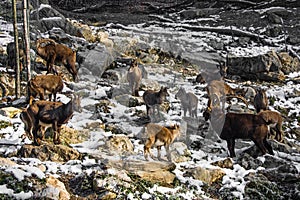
[54,114]
[260,100]
[241,126]
[154,99]
[53,52]
[42,84]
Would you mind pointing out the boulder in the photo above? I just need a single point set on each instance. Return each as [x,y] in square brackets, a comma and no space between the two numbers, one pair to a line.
[267,67]
[10,112]
[226,163]
[96,61]
[55,189]
[119,144]
[205,175]
[49,18]
[4,162]
[180,152]
[151,171]
[55,153]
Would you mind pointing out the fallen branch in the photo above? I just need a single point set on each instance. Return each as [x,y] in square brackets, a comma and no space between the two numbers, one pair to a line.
[249,3]
[294,53]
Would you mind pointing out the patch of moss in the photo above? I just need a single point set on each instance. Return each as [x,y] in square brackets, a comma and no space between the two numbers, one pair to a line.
[4,124]
[262,190]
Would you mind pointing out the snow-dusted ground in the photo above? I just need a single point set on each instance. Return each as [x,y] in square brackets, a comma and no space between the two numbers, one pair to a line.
[186,44]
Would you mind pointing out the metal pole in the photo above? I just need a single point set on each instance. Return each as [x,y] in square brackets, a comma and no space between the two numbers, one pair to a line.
[17,61]
[26,39]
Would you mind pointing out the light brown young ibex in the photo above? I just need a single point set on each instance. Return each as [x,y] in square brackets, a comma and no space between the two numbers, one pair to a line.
[134,77]
[274,120]
[45,84]
[163,137]
[221,90]
[53,52]
[189,101]
[42,114]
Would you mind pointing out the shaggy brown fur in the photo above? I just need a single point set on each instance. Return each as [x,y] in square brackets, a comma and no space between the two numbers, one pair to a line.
[53,52]
[164,137]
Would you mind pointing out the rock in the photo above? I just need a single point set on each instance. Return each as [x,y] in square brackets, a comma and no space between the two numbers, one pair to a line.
[84,30]
[55,153]
[198,13]
[55,189]
[103,38]
[289,64]
[266,67]
[226,163]
[50,18]
[259,187]
[6,162]
[10,112]
[205,175]
[119,144]
[96,61]
[180,152]
[249,162]
[129,100]
[150,171]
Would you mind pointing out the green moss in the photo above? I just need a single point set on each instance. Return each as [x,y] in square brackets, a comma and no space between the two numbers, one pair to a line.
[262,190]
[4,124]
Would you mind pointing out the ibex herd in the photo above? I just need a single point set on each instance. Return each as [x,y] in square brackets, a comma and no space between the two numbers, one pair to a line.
[233,126]
[41,114]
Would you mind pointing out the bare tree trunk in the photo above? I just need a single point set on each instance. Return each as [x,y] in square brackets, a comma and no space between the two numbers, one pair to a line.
[17,56]
[26,38]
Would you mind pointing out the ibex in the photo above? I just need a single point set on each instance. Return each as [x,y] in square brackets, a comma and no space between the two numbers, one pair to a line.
[53,114]
[164,137]
[134,77]
[189,102]
[11,54]
[260,100]
[154,99]
[274,119]
[28,121]
[53,52]
[42,84]
[242,126]
[222,90]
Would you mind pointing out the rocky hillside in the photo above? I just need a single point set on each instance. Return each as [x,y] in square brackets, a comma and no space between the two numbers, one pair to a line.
[101,155]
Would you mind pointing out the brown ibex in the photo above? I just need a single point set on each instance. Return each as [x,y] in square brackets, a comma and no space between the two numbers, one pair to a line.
[53,52]
[134,77]
[154,99]
[27,119]
[50,114]
[42,84]
[260,100]
[189,101]
[242,126]
[164,137]
[274,120]
[222,90]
